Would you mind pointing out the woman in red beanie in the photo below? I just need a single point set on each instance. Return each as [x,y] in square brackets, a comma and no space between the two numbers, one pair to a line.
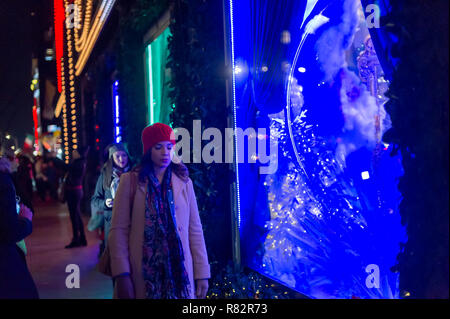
[156,239]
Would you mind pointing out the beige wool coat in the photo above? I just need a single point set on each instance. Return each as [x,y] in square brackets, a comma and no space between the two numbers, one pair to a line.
[126,235]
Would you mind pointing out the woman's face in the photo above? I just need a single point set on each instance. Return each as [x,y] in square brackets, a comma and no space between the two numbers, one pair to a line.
[120,159]
[162,154]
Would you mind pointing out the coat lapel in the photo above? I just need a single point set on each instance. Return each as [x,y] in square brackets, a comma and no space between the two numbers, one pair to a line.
[179,192]
[142,187]
[176,186]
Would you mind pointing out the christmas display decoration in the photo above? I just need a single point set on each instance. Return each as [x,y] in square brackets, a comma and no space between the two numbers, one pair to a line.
[333,199]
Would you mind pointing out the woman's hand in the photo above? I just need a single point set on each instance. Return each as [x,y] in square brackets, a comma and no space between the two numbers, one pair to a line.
[25,212]
[201,288]
[125,289]
[109,202]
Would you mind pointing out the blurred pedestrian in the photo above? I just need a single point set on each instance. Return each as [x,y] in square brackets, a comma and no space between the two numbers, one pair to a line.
[15,224]
[23,181]
[74,194]
[102,201]
[8,154]
[52,179]
[156,242]
[41,179]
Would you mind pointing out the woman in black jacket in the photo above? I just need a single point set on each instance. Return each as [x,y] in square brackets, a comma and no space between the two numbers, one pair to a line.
[102,201]
[15,279]
[74,194]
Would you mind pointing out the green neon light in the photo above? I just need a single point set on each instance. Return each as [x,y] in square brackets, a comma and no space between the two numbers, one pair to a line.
[150,85]
[159,105]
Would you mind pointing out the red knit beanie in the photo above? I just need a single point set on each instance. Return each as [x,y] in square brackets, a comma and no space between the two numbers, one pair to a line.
[158,132]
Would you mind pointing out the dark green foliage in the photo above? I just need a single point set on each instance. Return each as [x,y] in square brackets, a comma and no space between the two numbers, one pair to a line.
[418,108]
[136,18]
[198,91]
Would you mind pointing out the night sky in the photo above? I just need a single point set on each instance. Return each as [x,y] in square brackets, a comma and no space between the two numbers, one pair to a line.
[16,99]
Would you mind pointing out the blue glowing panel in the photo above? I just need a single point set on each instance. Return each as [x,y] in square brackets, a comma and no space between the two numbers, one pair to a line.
[325,222]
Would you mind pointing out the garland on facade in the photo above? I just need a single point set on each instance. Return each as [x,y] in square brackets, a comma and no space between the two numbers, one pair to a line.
[135,19]
[196,60]
[197,91]
[232,284]
[418,108]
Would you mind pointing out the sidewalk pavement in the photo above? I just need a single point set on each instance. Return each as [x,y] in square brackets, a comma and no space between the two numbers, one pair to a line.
[47,258]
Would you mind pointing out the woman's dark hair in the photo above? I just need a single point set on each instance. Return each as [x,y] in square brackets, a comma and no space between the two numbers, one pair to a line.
[146,167]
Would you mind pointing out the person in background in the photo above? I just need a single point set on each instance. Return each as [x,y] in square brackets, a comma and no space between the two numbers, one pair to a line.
[52,179]
[93,168]
[156,241]
[23,181]
[59,165]
[9,155]
[41,179]
[15,279]
[102,201]
[74,194]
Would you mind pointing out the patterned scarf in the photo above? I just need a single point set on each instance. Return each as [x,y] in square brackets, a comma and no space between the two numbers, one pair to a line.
[163,260]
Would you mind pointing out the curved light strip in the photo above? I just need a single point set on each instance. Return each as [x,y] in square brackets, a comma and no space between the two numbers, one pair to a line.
[99,22]
[83,45]
[78,11]
[91,32]
[288,104]
[80,43]
[310,29]
[59,104]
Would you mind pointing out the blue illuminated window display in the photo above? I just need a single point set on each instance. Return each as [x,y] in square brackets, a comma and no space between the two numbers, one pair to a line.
[326,223]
